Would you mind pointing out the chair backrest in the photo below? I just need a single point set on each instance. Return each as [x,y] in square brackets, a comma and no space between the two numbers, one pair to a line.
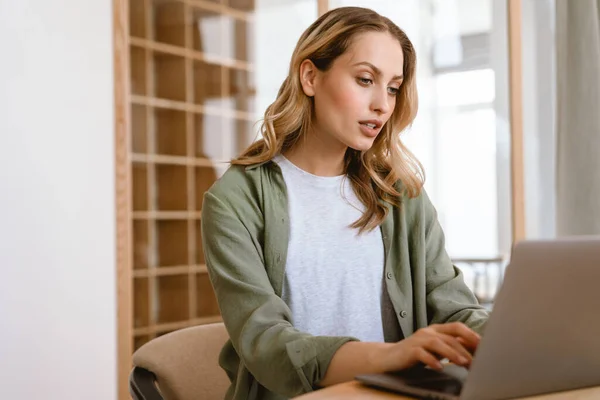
[185,363]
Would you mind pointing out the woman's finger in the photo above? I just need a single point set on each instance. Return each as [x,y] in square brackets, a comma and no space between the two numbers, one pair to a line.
[458,346]
[459,330]
[428,359]
[437,345]
[470,348]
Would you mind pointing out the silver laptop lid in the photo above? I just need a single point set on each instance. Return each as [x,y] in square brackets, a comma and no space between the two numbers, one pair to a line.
[544,332]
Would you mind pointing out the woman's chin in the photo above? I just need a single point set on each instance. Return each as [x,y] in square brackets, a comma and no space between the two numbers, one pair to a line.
[362,144]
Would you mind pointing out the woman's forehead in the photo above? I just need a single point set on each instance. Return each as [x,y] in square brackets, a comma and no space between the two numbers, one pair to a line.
[379,49]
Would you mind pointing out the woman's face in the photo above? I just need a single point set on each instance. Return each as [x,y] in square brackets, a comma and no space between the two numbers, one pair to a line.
[357,95]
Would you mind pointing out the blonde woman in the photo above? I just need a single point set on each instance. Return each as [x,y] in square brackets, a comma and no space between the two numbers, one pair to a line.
[322,247]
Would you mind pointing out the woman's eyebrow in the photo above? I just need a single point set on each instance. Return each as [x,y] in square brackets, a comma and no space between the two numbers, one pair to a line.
[377,70]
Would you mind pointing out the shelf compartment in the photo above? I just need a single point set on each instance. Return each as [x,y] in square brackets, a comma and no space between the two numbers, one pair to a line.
[169,22]
[171,185]
[172,238]
[137,73]
[244,40]
[204,179]
[172,300]
[141,248]
[206,302]
[241,92]
[207,30]
[208,137]
[139,341]
[137,18]
[207,83]
[170,132]
[139,129]
[141,308]
[169,76]
[238,39]
[139,178]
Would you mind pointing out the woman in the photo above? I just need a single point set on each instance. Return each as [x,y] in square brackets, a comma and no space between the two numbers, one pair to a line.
[323,250]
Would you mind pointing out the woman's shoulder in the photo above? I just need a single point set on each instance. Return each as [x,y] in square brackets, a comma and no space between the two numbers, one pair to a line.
[238,183]
[234,176]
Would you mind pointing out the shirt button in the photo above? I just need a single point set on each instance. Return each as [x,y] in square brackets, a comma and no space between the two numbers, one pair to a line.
[403,314]
[389,275]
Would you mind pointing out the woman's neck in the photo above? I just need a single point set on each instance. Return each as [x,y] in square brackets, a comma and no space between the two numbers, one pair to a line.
[318,156]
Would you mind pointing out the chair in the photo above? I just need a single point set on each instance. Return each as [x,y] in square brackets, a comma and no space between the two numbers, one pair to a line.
[181,365]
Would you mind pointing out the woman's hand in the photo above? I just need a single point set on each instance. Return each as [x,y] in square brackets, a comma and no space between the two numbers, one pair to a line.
[454,341]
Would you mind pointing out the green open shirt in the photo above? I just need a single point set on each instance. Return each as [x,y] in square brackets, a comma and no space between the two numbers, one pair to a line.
[245,228]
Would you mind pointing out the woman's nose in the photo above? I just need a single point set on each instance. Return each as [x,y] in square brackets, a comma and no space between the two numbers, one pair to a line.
[381,102]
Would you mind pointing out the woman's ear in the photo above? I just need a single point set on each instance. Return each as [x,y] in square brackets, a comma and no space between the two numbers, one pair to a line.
[308,77]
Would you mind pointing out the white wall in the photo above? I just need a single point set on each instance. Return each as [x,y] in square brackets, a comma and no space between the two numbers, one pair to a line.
[57,246]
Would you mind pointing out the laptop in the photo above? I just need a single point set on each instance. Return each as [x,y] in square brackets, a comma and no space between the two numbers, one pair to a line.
[543,335]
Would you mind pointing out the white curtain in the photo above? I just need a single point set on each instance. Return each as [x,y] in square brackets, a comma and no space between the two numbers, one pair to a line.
[578,117]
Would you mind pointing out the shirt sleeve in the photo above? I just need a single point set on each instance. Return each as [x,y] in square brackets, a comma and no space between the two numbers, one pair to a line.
[448,297]
[281,358]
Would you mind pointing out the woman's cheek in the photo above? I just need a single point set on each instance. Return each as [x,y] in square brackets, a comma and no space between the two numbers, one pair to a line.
[350,98]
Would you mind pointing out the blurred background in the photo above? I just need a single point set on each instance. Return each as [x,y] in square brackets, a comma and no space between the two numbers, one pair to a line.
[117,116]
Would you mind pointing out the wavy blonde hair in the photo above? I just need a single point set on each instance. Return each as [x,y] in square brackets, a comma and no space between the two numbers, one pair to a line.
[374,173]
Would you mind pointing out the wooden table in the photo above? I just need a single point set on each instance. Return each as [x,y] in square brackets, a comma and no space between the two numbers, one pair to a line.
[356,391]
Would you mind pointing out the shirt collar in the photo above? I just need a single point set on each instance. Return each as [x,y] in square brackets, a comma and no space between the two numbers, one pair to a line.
[254,166]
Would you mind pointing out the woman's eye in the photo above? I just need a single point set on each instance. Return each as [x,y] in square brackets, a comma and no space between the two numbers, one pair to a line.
[393,91]
[365,81]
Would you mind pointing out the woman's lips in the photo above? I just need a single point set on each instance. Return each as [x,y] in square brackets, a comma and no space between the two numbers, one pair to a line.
[370,128]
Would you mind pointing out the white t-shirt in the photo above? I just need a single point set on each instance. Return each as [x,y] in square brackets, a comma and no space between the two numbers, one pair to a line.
[333,276]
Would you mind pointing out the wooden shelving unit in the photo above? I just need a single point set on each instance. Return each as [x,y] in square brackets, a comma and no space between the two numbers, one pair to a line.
[190,111]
